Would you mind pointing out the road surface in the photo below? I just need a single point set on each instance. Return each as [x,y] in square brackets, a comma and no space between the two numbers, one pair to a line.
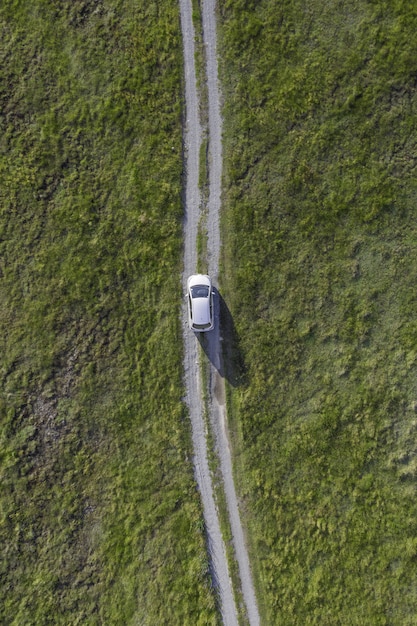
[192,351]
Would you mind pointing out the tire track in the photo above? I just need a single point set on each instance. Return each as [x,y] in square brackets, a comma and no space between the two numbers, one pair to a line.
[218,415]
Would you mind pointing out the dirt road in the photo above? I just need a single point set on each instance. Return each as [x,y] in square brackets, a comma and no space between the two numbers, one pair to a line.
[217,418]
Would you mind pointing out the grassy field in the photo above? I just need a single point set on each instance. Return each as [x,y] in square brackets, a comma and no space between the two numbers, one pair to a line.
[100,520]
[320,273]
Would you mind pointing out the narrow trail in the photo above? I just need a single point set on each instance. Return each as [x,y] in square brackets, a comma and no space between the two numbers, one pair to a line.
[215,545]
[216,388]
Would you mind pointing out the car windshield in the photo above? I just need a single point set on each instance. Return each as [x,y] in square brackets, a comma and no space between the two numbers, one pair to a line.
[199,291]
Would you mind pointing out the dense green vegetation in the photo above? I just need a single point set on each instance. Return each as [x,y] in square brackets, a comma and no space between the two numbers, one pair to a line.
[100,519]
[320,266]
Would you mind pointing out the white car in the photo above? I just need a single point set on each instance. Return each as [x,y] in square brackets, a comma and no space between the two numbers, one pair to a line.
[200,303]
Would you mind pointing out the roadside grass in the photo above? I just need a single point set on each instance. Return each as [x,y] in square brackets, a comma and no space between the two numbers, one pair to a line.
[100,518]
[319,257]
[204,156]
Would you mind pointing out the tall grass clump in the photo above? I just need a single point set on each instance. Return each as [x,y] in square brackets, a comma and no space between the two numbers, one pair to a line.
[320,249]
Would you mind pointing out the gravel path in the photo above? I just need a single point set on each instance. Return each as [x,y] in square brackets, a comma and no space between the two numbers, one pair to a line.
[215,544]
[216,548]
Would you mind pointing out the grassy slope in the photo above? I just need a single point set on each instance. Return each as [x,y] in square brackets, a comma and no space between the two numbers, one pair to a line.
[100,520]
[320,274]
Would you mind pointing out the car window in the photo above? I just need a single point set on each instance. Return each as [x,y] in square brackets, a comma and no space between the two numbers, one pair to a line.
[200,291]
[202,326]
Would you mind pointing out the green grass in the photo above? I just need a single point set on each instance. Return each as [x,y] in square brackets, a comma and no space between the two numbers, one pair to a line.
[100,521]
[320,248]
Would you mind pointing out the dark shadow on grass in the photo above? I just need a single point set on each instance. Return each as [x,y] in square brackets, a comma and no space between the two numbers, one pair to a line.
[221,345]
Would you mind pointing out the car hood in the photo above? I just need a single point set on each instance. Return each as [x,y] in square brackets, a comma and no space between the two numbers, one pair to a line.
[199,279]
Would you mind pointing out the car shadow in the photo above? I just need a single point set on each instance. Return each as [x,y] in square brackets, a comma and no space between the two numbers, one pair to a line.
[229,363]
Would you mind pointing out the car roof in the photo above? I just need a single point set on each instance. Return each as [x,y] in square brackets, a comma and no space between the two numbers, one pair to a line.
[201,311]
